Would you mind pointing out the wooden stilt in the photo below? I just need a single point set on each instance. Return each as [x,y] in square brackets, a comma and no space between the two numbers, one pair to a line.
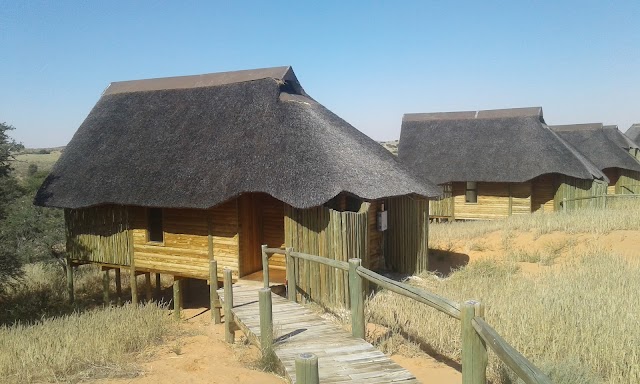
[105,286]
[118,287]
[134,286]
[158,286]
[229,328]
[70,281]
[213,292]
[147,286]
[177,297]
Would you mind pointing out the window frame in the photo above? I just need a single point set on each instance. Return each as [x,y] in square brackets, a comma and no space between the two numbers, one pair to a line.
[471,187]
[150,213]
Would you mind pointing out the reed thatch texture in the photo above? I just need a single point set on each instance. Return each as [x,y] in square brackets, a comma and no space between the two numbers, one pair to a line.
[197,141]
[633,133]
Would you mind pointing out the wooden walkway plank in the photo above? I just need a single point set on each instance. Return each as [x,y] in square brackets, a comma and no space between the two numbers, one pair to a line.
[342,358]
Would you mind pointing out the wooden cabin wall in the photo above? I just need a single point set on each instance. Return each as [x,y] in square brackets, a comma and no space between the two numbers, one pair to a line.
[407,237]
[444,205]
[250,220]
[543,191]
[329,233]
[572,188]
[185,250]
[375,253]
[99,234]
[495,200]
[273,228]
[628,182]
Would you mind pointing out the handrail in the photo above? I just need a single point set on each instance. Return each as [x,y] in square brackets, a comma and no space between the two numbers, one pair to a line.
[509,355]
[322,260]
[440,303]
[274,250]
[633,195]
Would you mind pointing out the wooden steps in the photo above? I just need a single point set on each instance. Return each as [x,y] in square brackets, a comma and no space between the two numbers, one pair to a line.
[342,358]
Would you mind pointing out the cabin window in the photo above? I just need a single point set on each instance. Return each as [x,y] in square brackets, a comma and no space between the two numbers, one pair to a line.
[155,231]
[471,192]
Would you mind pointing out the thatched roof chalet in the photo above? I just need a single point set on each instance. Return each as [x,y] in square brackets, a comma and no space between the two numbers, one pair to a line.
[633,133]
[197,141]
[604,147]
[505,145]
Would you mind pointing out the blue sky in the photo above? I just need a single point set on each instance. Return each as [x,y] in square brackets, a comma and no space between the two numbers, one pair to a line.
[369,62]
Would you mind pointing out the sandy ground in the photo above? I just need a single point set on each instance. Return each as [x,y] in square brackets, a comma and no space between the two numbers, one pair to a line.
[203,357]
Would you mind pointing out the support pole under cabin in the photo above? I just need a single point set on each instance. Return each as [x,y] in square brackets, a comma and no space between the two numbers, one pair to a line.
[214,299]
[118,287]
[147,286]
[70,280]
[356,296]
[229,330]
[474,349]
[177,297]
[134,285]
[105,286]
[158,286]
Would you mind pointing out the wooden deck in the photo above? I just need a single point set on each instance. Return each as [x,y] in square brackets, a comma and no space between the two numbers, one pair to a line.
[342,358]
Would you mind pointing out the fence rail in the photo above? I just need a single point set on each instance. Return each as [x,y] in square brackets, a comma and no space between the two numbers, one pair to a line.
[476,333]
[599,200]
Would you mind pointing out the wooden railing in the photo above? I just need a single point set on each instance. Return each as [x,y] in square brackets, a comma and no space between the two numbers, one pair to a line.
[599,201]
[476,333]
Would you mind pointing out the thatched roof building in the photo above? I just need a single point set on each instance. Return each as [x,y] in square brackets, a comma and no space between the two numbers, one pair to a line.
[633,133]
[494,156]
[609,150]
[167,174]
[197,141]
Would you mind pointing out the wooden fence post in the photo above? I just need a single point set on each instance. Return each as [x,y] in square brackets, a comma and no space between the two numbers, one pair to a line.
[118,287]
[474,350]
[147,286]
[356,296]
[177,297]
[266,322]
[265,265]
[229,331]
[307,369]
[70,280]
[291,275]
[213,292]
[105,286]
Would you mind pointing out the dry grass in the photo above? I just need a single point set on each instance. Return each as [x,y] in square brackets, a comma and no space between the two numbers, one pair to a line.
[577,321]
[68,344]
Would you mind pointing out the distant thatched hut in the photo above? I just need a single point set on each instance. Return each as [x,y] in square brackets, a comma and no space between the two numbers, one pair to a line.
[609,150]
[633,133]
[496,163]
[166,174]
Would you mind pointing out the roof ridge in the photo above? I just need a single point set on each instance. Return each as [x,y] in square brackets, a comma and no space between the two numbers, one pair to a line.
[578,127]
[284,73]
[478,114]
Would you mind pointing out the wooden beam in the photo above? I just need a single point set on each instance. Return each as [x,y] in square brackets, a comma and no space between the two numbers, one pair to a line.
[474,349]
[214,299]
[147,286]
[158,286]
[70,294]
[118,287]
[177,297]
[229,333]
[105,287]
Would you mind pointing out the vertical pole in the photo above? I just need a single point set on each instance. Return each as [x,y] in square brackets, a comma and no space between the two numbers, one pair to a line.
[307,369]
[265,266]
[118,287]
[70,280]
[158,286]
[266,322]
[291,275]
[474,350]
[147,286]
[564,204]
[229,334]
[105,286]
[177,297]
[356,296]
[134,285]
[213,292]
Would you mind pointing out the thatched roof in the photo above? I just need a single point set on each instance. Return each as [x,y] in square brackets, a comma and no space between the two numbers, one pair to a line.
[619,138]
[595,142]
[507,145]
[634,133]
[197,141]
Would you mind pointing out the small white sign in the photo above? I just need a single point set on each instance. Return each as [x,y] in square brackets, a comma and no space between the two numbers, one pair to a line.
[382,221]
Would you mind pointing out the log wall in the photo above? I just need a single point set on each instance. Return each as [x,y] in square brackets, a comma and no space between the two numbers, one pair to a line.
[495,200]
[543,191]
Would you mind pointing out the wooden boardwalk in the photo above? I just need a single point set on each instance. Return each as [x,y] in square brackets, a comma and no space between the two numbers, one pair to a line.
[342,358]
